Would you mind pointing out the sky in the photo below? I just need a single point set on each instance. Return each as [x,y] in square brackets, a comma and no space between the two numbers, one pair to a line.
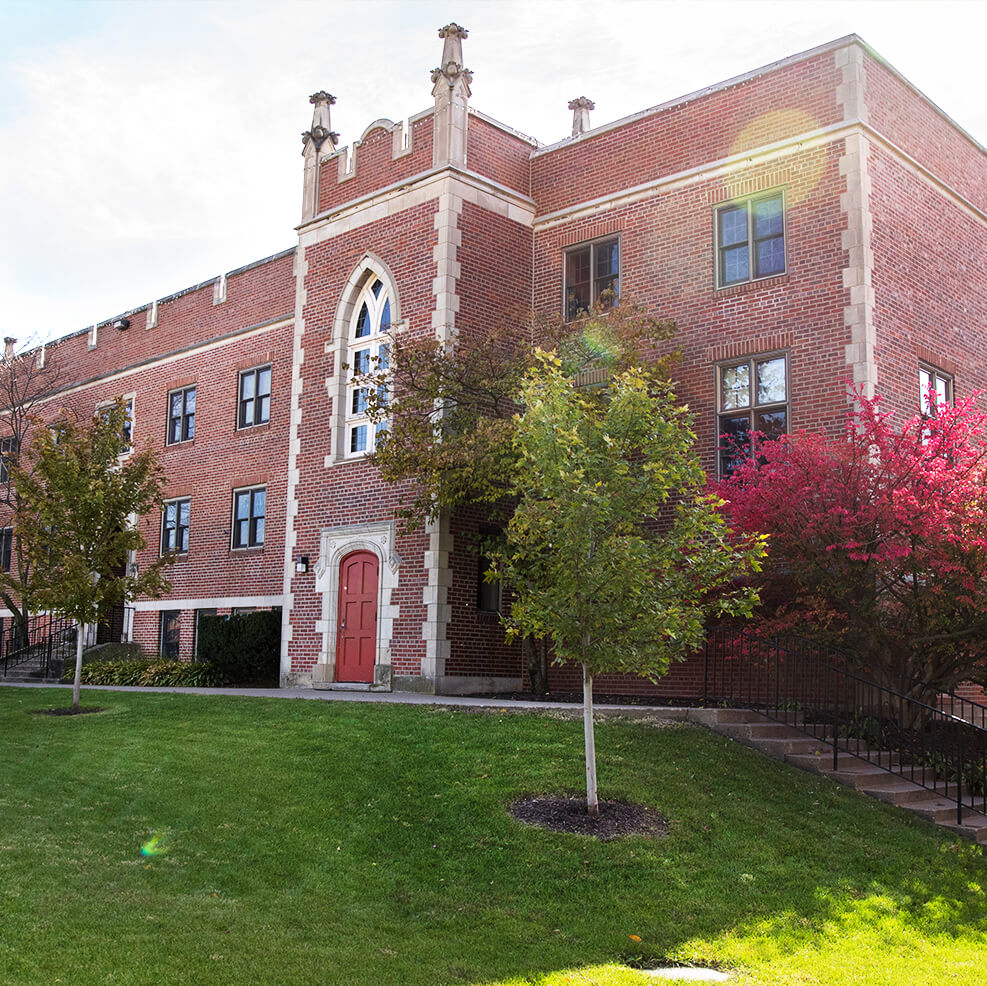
[149,145]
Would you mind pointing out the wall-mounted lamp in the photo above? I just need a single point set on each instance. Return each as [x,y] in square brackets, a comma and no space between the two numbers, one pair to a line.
[121,324]
[301,563]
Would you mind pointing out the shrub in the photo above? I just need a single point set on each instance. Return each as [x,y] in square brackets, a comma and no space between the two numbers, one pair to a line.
[149,672]
[245,648]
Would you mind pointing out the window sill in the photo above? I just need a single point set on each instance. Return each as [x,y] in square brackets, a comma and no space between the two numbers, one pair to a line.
[253,429]
[182,444]
[742,287]
[255,549]
[487,616]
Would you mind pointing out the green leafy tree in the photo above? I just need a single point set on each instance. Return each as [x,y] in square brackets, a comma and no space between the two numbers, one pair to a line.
[450,410]
[79,494]
[615,551]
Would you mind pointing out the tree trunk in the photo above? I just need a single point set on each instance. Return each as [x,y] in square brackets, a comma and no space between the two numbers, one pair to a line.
[592,803]
[77,683]
[535,650]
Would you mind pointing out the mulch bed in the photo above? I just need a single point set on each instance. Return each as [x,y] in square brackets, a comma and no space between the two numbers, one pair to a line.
[568,814]
[67,711]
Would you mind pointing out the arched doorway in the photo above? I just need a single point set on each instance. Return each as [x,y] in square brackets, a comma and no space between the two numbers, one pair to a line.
[356,640]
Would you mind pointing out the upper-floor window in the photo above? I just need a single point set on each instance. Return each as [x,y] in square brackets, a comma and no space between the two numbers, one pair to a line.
[368,351]
[934,388]
[592,276]
[249,512]
[175,526]
[181,415]
[752,400]
[750,239]
[128,421]
[254,404]
[6,547]
[8,455]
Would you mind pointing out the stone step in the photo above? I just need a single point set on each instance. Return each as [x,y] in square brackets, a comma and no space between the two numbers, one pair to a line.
[974,827]
[904,793]
[943,811]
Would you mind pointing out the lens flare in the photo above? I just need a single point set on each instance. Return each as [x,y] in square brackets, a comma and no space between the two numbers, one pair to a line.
[154,846]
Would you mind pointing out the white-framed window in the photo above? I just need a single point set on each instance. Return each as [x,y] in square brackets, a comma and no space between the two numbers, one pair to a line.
[750,239]
[592,276]
[368,351]
[752,400]
[254,397]
[175,522]
[249,512]
[181,416]
[934,388]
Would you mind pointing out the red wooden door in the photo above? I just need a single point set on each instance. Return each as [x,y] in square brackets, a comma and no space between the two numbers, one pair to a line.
[356,641]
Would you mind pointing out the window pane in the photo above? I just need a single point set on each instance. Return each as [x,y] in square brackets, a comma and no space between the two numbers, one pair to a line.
[768,218]
[176,405]
[359,403]
[735,440]
[375,287]
[264,381]
[361,361]
[190,401]
[735,264]
[606,259]
[358,438]
[263,410]
[577,281]
[383,357]
[771,256]
[260,502]
[258,537]
[247,381]
[771,387]
[242,505]
[942,390]
[363,322]
[735,388]
[183,512]
[771,424]
[385,316]
[733,226]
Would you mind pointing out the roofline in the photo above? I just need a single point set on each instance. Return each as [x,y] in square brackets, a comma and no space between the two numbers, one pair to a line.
[170,297]
[689,97]
[843,42]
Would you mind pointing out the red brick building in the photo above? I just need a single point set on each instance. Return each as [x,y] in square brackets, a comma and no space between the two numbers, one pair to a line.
[811,222]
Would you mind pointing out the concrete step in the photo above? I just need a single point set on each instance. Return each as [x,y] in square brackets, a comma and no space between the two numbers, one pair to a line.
[943,811]
[904,793]
[974,827]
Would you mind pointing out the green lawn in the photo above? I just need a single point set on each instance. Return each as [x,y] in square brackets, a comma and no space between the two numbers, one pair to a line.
[303,842]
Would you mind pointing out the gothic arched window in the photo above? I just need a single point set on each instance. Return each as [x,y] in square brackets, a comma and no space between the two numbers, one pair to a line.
[368,351]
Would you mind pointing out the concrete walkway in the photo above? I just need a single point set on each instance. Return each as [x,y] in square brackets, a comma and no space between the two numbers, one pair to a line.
[394,698]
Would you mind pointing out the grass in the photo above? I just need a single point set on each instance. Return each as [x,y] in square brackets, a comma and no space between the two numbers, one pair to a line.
[339,843]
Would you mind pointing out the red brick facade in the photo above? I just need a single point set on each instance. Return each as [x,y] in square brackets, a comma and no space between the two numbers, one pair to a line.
[464,221]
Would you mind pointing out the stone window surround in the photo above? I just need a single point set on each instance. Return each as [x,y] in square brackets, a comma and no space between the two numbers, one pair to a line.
[337,387]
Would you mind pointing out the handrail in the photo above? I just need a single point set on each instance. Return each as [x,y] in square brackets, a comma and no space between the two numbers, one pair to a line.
[795,684]
[35,645]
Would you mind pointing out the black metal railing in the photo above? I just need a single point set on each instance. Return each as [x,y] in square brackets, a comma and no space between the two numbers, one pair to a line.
[807,686]
[35,643]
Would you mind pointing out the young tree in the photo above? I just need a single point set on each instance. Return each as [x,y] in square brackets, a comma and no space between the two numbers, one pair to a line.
[878,540]
[615,551]
[450,411]
[26,380]
[79,493]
